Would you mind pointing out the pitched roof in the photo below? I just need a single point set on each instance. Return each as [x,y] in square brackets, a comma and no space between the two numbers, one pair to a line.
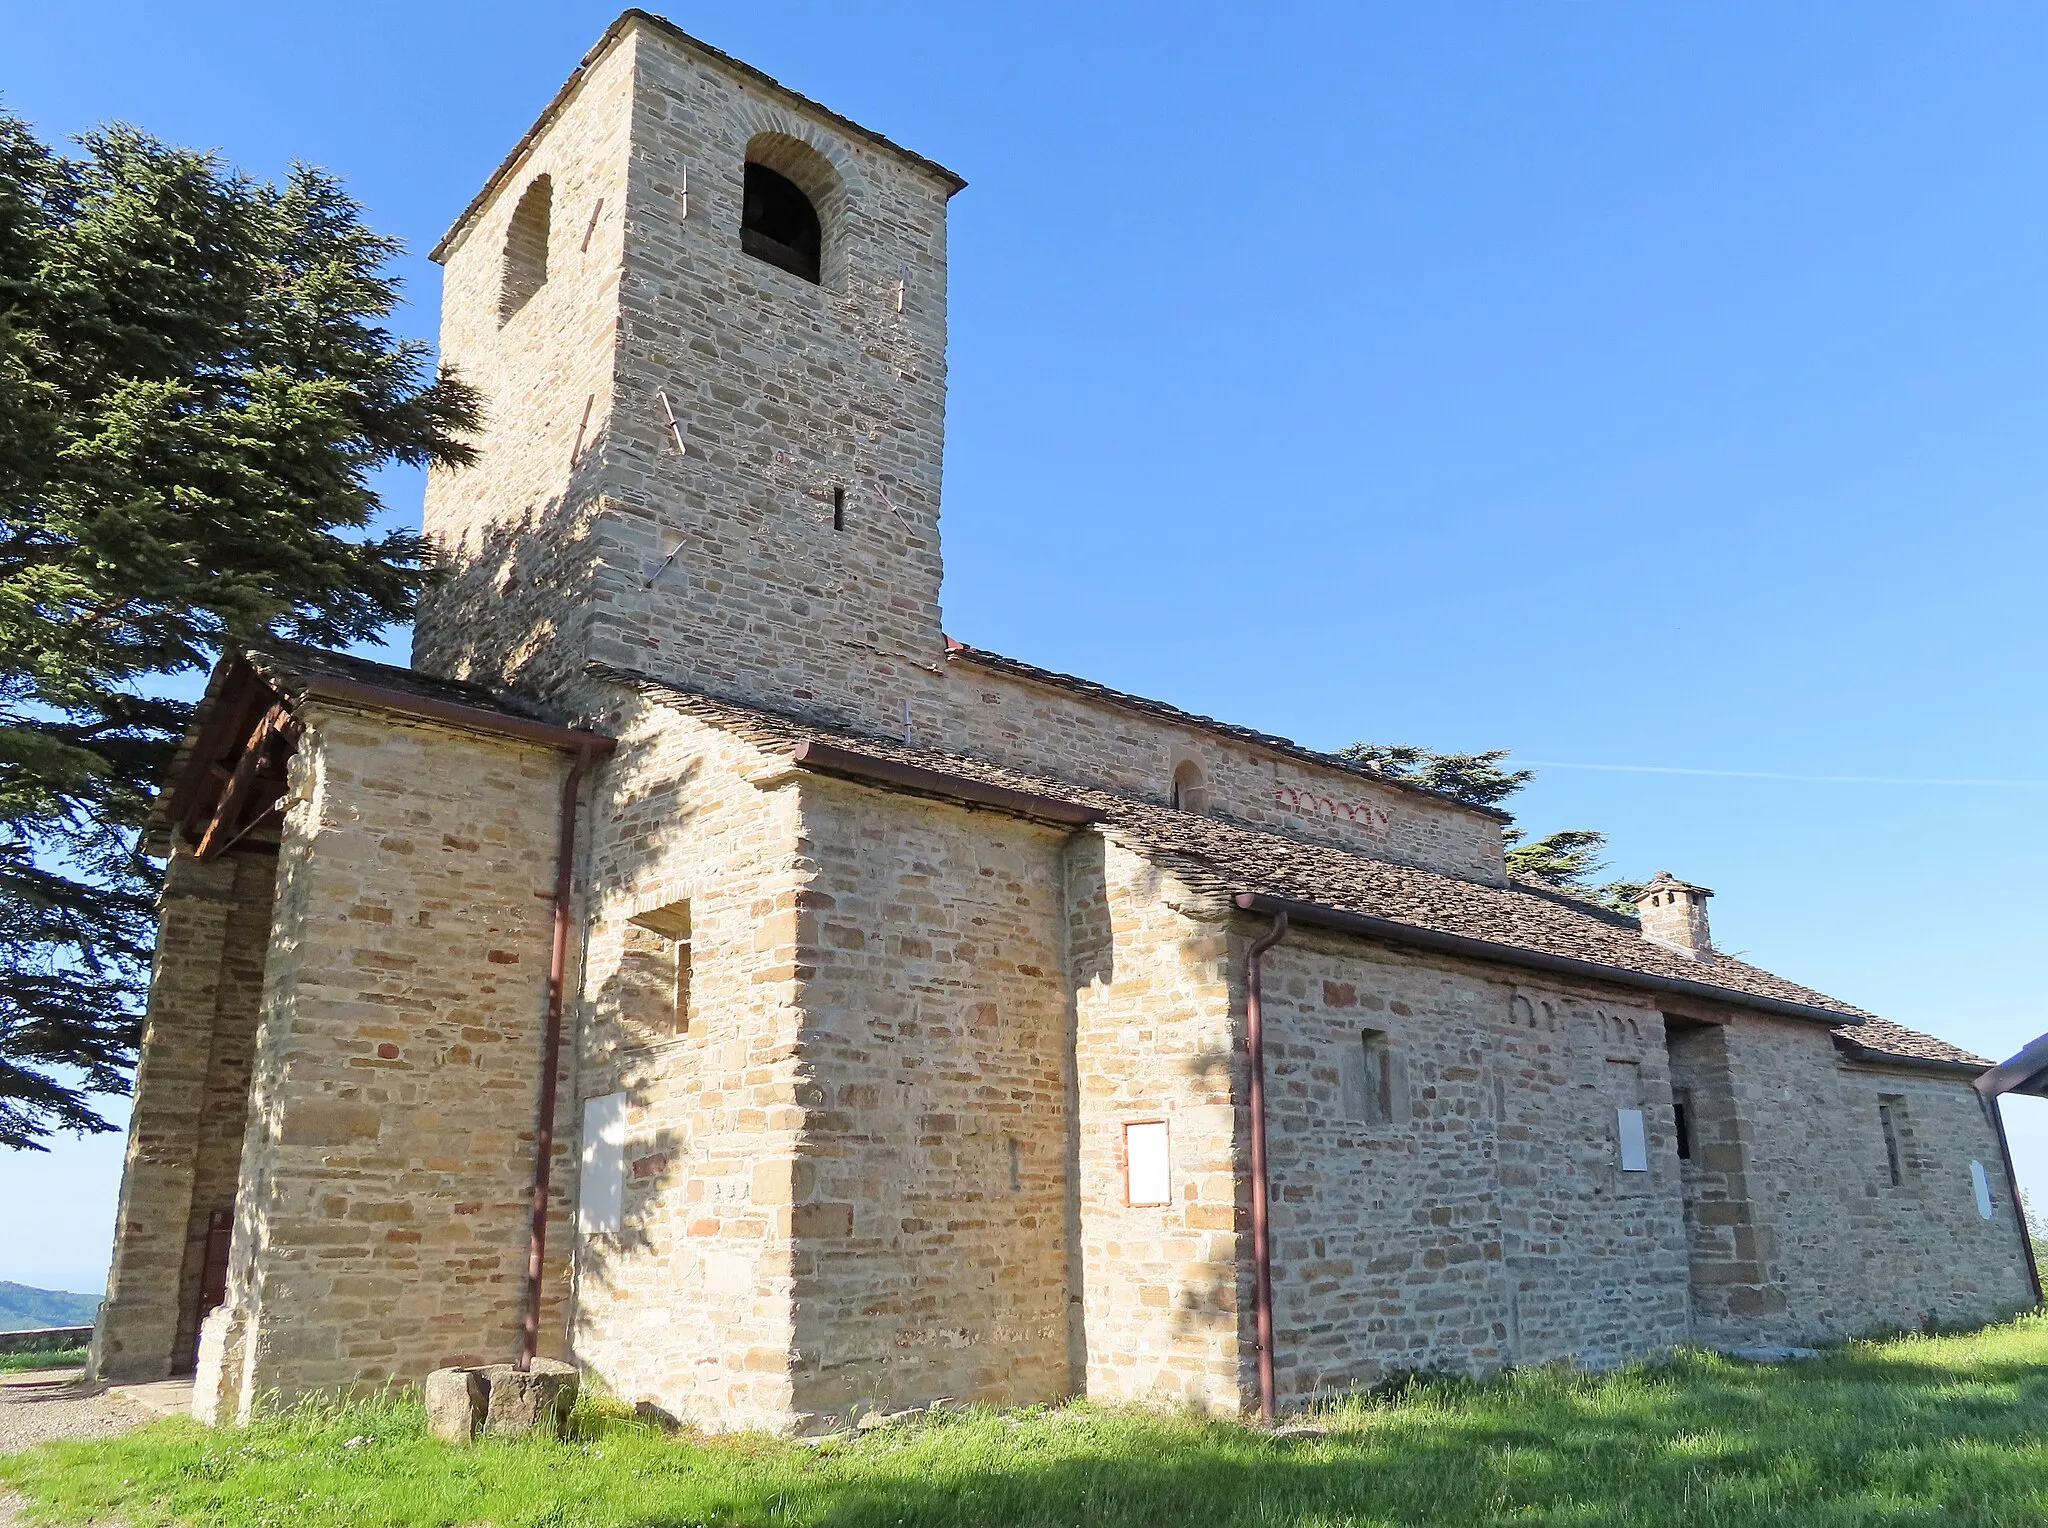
[661,24]
[298,670]
[1520,921]
[1102,694]
[1880,1040]
[247,682]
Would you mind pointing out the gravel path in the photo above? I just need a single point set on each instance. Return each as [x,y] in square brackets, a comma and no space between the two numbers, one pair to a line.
[32,1413]
[26,1420]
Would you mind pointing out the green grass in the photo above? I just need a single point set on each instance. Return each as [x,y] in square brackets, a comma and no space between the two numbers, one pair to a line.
[56,1358]
[1949,1430]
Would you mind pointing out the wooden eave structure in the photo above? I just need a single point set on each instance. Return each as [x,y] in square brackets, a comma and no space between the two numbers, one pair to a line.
[228,787]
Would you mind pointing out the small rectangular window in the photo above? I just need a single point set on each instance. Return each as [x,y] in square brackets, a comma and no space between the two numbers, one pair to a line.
[1147,1180]
[601,1186]
[1890,1117]
[654,974]
[1681,1123]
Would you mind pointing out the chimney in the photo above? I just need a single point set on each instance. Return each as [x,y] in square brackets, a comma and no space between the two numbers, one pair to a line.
[1674,915]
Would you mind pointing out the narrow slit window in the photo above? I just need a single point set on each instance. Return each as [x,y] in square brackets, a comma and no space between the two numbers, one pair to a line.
[1368,1080]
[1147,1179]
[1681,1124]
[1888,1112]
[839,508]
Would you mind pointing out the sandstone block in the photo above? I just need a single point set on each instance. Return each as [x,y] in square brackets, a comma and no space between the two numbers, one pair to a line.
[538,1400]
[456,1401]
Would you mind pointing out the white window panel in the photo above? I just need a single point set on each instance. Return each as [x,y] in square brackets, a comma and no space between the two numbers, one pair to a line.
[1981,1182]
[1635,1147]
[1146,1176]
[601,1188]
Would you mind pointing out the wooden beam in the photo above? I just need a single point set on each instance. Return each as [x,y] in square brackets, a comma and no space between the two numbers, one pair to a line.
[226,823]
[242,700]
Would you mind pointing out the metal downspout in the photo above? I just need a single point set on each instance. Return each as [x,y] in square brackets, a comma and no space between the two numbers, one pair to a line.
[2012,1184]
[1262,1242]
[551,1061]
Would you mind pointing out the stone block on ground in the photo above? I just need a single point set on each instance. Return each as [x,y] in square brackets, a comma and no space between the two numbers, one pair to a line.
[536,1401]
[456,1401]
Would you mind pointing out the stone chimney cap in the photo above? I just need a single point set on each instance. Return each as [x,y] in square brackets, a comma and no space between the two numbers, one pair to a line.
[1674,914]
[1664,880]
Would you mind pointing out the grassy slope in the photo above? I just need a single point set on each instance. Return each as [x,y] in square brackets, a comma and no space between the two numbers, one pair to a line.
[1947,1430]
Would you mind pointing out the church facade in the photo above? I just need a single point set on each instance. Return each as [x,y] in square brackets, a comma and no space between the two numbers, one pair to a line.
[699,967]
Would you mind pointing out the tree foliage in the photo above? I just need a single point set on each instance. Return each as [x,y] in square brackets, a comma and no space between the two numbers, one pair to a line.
[1472,777]
[195,392]
[1568,860]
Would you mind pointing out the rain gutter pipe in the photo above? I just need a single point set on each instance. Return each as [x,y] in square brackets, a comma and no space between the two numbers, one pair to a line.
[551,1050]
[1262,1241]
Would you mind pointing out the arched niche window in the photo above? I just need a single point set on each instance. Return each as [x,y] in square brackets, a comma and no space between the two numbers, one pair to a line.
[778,223]
[1190,790]
[526,247]
[793,207]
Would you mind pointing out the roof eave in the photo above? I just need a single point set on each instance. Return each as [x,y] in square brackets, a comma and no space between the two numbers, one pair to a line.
[1864,1055]
[619,27]
[866,769]
[1388,931]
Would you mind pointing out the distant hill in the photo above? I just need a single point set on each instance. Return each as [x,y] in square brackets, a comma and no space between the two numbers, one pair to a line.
[22,1308]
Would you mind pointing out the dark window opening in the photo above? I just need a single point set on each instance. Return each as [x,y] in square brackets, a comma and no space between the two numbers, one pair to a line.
[1681,1125]
[778,223]
[839,509]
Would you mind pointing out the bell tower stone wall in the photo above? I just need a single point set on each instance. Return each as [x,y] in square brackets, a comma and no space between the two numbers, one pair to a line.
[695,462]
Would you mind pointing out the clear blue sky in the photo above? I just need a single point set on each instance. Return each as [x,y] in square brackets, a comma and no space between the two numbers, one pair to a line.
[1617,383]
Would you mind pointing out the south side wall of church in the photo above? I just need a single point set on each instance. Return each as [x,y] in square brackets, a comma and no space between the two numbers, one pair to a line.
[1448,1187]
[1846,1249]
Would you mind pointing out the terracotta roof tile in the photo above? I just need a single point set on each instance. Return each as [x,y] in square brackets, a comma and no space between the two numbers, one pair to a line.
[1224,857]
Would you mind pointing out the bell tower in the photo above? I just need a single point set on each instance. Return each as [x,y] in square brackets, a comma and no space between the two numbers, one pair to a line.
[707,318]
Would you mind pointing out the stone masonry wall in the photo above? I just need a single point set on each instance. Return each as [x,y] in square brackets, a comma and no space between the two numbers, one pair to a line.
[1731,1287]
[1058,732]
[224,1113]
[584,530]
[1165,1288]
[514,531]
[381,1225]
[1474,1213]
[931,1192]
[1845,1250]
[783,391]
[689,1304]
[191,1094]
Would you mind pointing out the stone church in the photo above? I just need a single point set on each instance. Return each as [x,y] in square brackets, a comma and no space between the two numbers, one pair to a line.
[698,966]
